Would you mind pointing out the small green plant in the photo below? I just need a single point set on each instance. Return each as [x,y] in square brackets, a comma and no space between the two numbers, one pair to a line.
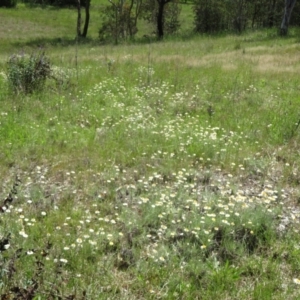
[27,74]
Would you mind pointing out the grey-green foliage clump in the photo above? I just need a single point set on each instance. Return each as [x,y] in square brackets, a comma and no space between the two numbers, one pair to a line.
[26,74]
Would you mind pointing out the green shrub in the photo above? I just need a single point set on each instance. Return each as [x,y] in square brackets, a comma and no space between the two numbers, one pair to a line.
[119,22]
[26,74]
[8,3]
[210,16]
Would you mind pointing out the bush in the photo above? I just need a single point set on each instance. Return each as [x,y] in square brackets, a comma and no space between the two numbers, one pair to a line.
[119,21]
[8,3]
[26,74]
[210,16]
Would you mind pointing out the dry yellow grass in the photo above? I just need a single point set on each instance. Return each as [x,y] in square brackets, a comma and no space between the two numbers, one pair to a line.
[273,62]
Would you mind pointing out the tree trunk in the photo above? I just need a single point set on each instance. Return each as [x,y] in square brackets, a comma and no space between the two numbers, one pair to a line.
[87,18]
[160,18]
[78,18]
[289,5]
[138,9]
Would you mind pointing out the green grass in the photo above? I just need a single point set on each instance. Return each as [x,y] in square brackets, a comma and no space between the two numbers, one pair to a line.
[150,171]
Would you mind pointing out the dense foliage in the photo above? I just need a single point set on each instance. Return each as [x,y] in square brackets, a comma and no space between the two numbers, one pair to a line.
[238,15]
[8,3]
[120,18]
[59,3]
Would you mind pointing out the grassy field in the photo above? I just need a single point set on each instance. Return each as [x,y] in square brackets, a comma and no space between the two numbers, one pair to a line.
[166,170]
